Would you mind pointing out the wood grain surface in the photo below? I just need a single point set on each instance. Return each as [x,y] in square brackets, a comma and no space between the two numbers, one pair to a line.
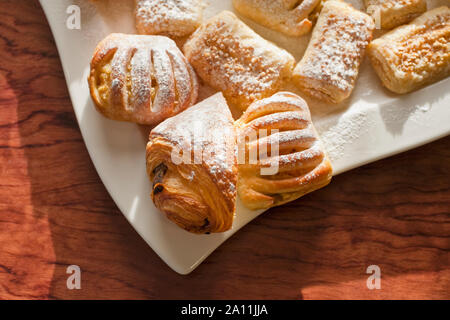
[55,212]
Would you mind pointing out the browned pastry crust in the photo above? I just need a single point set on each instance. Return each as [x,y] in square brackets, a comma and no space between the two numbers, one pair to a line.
[197,191]
[303,165]
[414,55]
[232,58]
[330,66]
[392,13]
[173,18]
[291,17]
[142,79]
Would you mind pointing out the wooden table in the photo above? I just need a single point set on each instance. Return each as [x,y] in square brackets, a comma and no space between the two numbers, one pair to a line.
[55,212]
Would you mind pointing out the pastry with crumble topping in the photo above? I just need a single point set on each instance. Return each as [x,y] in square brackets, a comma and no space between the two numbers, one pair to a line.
[414,55]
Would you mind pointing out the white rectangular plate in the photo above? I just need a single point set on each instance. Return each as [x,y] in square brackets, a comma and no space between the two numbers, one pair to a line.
[373,124]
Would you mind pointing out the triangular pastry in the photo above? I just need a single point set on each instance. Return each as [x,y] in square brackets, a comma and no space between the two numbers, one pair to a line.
[191,163]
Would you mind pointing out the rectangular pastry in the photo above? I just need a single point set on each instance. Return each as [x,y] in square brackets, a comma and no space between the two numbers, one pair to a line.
[291,17]
[172,18]
[392,13]
[414,55]
[232,58]
[330,66]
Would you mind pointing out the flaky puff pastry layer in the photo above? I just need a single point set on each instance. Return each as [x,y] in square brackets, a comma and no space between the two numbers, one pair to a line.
[392,13]
[173,18]
[191,163]
[291,17]
[301,165]
[232,58]
[414,55]
[330,66]
[142,79]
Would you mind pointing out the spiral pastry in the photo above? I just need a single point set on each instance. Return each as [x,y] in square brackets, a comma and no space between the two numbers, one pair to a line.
[283,123]
[142,79]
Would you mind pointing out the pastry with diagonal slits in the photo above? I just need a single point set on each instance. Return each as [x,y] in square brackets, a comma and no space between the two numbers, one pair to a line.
[301,163]
[142,79]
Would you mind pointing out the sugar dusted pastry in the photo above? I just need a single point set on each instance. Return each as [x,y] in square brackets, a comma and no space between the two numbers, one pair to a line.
[291,17]
[414,55]
[142,79]
[232,58]
[174,18]
[191,163]
[330,66]
[300,166]
[392,13]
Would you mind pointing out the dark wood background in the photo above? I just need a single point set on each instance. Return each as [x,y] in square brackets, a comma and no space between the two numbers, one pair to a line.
[55,212]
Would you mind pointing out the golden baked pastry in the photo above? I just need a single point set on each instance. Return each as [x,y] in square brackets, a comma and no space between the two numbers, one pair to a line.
[330,66]
[301,164]
[191,162]
[173,18]
[142,79]
[392,13]
[291,17]
[414,55]
[232,58]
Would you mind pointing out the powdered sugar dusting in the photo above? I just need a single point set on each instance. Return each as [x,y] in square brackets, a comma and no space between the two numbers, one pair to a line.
[168,17]
[336,49]
[232,58]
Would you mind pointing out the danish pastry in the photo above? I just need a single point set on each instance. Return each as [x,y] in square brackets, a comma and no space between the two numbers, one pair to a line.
[392,13]
[414,55]
[191,162]
[330,66]
[142,79]
[291,17]
[301,163]
[232,58]
[173,18]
